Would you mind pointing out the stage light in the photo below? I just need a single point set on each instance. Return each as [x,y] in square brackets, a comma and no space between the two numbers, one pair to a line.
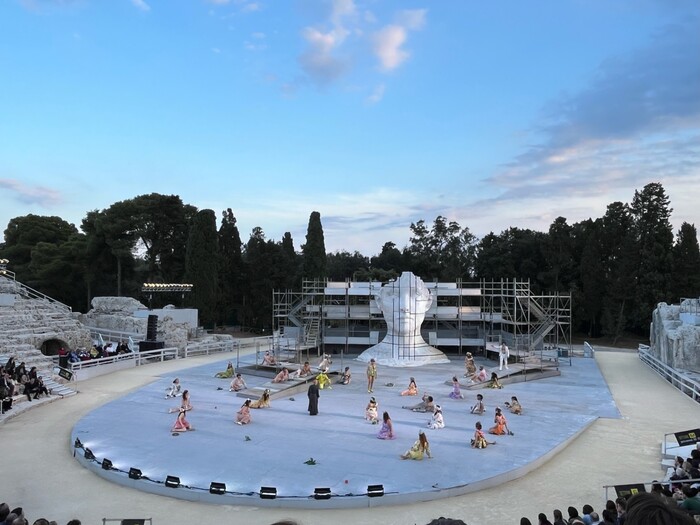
[78,443]
[106,464]
[322,493]
[88,454]
[375,491]
[268,492]
[217,488]
[135,473]
[172,481]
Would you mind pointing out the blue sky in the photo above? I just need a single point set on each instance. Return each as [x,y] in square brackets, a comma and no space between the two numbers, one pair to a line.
[376,113]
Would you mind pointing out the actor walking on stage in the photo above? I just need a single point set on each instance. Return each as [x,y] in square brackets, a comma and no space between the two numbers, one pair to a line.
[314,394]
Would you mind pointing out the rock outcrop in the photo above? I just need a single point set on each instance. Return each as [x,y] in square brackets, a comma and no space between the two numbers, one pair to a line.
[675,336]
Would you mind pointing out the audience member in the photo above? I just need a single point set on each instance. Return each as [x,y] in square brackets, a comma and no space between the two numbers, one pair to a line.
[558,518]
[647,509]
[574,518]
[542,519]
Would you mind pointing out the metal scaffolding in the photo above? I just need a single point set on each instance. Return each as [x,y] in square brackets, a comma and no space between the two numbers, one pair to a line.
[465,316]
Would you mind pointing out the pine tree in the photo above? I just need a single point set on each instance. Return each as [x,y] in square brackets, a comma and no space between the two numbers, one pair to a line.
[685,278]
[654,235]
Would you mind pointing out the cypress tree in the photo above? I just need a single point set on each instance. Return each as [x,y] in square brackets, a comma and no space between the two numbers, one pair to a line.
[314,251]
[201,265]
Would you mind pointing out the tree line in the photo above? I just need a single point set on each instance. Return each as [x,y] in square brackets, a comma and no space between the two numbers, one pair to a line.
[616,267]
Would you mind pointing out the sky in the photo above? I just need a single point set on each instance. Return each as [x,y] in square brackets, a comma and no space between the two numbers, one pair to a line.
[375,113]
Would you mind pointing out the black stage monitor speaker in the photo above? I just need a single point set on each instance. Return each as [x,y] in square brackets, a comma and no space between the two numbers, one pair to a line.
[151,345]
[152,328]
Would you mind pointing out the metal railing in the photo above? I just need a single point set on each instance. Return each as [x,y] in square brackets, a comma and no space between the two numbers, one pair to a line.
[607,488]
[140,358]
[680,380]
[31,293]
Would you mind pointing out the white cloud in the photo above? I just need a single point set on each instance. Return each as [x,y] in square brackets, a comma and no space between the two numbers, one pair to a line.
[318,60]
[141,4]
[26,194]
[637,121]
[387,46]
[388,42]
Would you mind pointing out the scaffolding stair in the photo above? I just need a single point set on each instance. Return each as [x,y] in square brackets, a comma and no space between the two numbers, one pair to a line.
[312,331]
[546,324]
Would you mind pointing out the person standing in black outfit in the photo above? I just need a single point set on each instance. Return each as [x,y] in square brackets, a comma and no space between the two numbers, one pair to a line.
[314,394]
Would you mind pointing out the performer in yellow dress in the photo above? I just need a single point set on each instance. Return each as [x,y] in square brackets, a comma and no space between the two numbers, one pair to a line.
[419,449]
[324,381]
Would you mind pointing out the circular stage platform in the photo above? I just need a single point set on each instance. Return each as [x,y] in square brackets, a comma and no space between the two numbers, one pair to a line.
[268,463]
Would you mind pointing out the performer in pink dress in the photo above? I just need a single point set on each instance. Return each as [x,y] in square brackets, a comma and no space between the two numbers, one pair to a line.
[243,415]
[456,392]
[412,389]
[181,424]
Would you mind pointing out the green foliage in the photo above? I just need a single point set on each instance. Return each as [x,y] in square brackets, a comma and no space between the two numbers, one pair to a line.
[654,236]
[231,270]
[202,266]
[314,251]
[445,252]
[617,267]
[24,233]
[685,277]
[343,265]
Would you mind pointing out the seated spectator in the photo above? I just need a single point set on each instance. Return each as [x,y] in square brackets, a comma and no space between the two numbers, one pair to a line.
[21,373]
[5,401]
[31,387]
[586,517]
[7,383]
[690,501]
[542,519]
[646,509]
[574,518]
[558,518]
[608,518]
[621,506]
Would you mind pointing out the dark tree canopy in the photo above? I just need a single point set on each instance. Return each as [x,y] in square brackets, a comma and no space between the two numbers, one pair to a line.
[617,267]
[685,277]
[201,264]
[314,251]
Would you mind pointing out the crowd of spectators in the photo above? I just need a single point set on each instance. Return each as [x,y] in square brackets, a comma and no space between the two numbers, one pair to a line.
[96,351]
[17,516]
[674,501]
[15,379]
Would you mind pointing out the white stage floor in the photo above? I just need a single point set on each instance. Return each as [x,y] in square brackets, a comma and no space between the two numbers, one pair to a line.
[134,431]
